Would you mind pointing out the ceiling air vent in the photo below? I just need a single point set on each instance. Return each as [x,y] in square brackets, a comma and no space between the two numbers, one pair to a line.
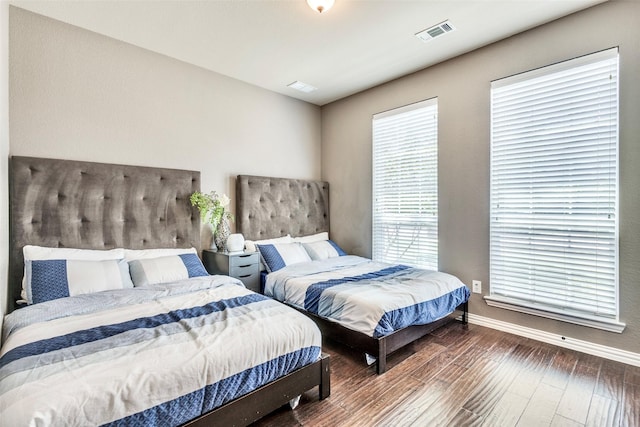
[302,87]
[435,31]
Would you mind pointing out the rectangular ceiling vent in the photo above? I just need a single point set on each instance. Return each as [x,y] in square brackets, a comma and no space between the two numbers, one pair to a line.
[435,31]
[302,87]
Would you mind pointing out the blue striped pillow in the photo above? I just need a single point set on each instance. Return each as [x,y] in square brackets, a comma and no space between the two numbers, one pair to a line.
[279,255]
[47,280]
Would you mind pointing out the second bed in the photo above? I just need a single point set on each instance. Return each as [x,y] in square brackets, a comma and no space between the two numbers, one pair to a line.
[373,307]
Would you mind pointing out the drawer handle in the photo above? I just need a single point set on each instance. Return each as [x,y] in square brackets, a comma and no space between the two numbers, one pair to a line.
[245,266]
[244,256]
[246,275]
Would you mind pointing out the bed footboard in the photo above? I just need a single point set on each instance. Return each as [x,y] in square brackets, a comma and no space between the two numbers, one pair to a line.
[380,348]
[253,406]
[392,342]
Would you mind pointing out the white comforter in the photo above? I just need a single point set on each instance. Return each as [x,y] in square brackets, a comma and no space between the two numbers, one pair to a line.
[371,297]
[158,355]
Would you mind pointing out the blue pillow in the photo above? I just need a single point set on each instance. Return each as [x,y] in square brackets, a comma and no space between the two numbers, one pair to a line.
[279,255]
[58,278]
[152,271]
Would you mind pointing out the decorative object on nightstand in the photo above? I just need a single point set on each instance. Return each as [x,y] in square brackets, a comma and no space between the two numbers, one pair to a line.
[220,236]
[214,210]
[241,265]
[235,243]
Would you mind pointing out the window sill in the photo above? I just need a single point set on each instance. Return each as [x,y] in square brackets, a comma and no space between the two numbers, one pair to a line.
[515,305]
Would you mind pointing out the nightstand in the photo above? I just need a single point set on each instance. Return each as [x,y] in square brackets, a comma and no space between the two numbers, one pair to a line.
[242,265]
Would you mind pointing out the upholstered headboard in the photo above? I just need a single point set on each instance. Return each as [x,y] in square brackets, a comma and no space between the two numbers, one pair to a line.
[63,203]
[273,207]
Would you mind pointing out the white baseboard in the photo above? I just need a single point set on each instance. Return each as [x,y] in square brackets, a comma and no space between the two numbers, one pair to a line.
[611,353]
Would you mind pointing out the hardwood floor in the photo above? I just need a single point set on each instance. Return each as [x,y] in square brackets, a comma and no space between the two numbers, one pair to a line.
[472,376]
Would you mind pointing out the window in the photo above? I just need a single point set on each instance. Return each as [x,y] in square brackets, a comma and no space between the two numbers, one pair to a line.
[405,185]
[554,180]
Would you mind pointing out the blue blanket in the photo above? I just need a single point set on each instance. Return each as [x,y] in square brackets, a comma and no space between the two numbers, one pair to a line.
[371,297]
[159,355]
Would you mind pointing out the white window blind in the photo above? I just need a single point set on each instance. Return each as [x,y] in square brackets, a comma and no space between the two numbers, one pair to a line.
[554,178]
[405,185]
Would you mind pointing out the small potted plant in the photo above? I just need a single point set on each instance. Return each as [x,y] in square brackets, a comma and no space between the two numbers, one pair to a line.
[214,210]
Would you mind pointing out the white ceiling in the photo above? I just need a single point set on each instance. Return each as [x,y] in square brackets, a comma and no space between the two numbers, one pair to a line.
[356,45]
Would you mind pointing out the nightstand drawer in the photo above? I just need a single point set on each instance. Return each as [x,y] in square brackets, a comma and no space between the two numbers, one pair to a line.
[251,281]
[243,270]
[244,259]
[243,266]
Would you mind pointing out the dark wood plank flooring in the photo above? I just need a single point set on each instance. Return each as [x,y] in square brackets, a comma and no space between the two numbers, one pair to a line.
[472,376]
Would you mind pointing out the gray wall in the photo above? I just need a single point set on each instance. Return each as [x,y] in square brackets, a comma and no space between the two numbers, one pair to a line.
[74,94]
[462,86]
[4,152]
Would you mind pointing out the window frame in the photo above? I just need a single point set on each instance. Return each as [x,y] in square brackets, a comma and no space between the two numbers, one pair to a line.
[607,322]
[423,254]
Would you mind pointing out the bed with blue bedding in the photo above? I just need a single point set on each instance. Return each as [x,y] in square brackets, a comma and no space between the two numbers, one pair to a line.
[372,307]
[374,298]
[142,335]
[156,355]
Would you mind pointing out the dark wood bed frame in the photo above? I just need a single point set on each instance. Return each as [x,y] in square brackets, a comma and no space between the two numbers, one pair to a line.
[255,405]
[269,207]
[382,347]
[63,203]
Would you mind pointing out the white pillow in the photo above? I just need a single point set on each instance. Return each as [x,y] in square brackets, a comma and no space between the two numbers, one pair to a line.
[151,271]
[323,250]
[58,278]
[39,253]
[133,254]
[250,245]
[319,237]
[279,255]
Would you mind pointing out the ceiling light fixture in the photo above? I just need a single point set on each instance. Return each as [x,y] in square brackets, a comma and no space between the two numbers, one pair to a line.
[320,5]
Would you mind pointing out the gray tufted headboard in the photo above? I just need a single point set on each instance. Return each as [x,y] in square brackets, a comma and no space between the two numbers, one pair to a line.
[273,207]
[64,203]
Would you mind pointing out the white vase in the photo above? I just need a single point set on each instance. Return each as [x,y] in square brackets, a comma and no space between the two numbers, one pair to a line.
[235,242]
